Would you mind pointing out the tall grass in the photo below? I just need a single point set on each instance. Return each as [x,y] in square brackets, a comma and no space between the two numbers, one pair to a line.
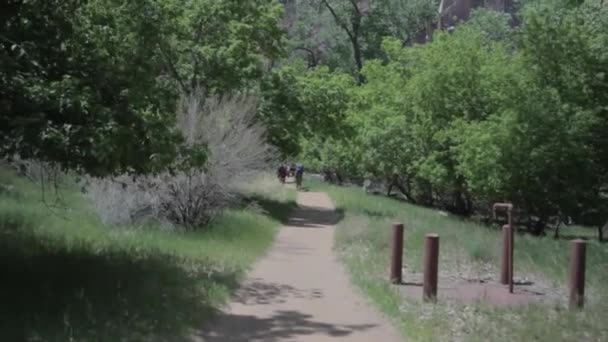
[67,277]
[468,250]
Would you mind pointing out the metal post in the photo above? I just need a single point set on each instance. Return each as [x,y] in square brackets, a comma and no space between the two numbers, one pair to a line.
[504,266]
[431,260]
[397,253]
[577,274]
[511,249]
[508,247]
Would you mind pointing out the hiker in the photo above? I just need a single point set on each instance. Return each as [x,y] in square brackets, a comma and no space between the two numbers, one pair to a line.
[282,173]
[292,170]
[299,170]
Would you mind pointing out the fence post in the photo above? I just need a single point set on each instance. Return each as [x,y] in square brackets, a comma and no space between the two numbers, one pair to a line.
[504,266]
[577,273]
[511,256]
[397,254]
[431,260]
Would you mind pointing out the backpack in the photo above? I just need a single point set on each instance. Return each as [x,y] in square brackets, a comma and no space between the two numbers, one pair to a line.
[299,168]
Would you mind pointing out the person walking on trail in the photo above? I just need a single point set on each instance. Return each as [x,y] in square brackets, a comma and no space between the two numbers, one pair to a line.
[282,173]
[292,170]
[299,175]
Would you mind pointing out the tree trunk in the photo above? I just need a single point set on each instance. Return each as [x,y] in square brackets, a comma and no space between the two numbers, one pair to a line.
[391,183]
[356,45]
[326,176]
[557,227]
[429,31]
[406,193]
[601,230]
[539,227]
[353,32]
[338,178]
[469,202]
[460,206]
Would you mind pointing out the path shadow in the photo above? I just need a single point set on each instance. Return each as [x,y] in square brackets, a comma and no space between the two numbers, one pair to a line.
[259,292]
[282,325]
[315,217]
[280,211]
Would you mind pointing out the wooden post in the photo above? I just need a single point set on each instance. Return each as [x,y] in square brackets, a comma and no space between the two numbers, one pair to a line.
[577,274]
[397,254]
[431,261]
[504,266]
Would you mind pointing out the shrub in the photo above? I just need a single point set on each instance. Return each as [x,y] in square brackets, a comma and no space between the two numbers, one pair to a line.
[222,132]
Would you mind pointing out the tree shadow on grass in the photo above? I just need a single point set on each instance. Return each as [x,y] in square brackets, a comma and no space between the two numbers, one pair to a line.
[569,237]
[50,292]
[375,213]
[277,210]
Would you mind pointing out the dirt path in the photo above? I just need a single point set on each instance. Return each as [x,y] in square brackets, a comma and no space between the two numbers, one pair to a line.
[299,291]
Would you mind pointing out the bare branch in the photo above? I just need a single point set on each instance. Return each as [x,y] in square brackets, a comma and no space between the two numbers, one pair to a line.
[312,56]
[191,198]
[339,21]
[172,68]
[356,7]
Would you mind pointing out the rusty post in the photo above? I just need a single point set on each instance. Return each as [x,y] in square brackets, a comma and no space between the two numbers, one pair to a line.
[577,274]
[506,206]
[504,266]
[397,253]
[431,260]
[511,249]
[508,247]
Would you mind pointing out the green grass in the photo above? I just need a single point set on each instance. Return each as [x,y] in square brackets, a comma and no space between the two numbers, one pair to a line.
[362,241]
[66,277]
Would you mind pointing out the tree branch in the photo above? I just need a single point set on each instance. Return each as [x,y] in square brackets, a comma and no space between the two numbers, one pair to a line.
[338,20]
[356,7]
[313,58]
[197,39]
[173,69]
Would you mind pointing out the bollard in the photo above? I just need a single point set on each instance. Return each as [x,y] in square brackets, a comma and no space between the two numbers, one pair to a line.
[511,250]
[431,260]
[397,253]
[504,266]
[577,274]
[508,244]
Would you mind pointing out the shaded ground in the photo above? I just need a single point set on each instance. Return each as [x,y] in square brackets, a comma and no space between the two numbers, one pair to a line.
[51,292]
[487,291]
[64,276]
[299,291]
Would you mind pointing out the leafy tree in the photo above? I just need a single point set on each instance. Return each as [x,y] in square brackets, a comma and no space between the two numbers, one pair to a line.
[486,113]
[567,50]
[221,45]
[281,110]
[343,33]
[377,112]
[493,25]
[93,84]
[78,92]
[300,105]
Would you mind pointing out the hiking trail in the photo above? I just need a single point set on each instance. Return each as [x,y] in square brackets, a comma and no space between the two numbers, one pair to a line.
[299,291]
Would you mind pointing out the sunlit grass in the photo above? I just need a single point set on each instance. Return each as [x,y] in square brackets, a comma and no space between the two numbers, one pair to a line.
[362,241]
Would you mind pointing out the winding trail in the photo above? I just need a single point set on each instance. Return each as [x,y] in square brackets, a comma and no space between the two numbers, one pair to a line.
[299,291]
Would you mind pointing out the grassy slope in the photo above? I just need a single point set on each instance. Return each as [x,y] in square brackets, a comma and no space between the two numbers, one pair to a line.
[466,248]
[66,277]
